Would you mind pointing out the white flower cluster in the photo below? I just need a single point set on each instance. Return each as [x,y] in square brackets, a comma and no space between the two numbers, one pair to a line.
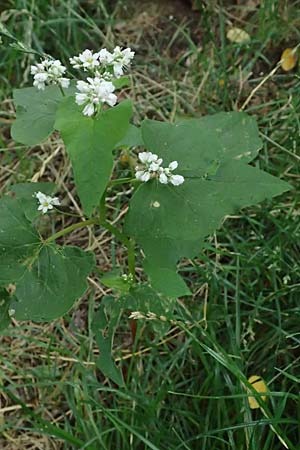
[94,92]
[104,63]
[96,89]
[46,202]
[152,169]
[49,71]
[104,66]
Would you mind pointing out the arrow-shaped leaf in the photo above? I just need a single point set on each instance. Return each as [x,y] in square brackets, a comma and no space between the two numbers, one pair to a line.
[170,222]
[36,113]
[89,142]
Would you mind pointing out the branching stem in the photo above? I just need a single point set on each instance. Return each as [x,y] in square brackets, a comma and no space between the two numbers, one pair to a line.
[129,243]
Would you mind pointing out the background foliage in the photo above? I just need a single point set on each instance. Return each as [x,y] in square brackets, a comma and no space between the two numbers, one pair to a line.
[182,391]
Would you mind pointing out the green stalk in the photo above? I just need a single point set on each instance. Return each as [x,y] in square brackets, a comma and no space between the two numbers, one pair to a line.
[69,229]
[129,243]
[131,257]
[61,90]
[121,181]
[119,235]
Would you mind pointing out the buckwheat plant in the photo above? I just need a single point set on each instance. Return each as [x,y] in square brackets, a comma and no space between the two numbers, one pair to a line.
[184,178]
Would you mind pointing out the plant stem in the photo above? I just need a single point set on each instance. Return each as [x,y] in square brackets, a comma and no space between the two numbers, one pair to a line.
[62,91]
[121,181]
[102,207]
[119,235]
[64,213]
[131,257]
[69,229]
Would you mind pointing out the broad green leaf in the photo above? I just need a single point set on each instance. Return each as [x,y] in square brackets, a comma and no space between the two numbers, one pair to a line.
[4,307]
[166,281]
[52,283]
[115,280]
[166,252]
[48,278]
[133,138]
[170,222]
[18,240]
[89,142]
[200,143]
[104,325]
[121,82]
[196,208]
[25,193]
[36,113]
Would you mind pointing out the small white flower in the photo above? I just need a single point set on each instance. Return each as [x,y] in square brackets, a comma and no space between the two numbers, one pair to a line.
[144,157]
[88,110]
[39,195]
[152,169]
[128,56]
[64,82]
[105,57]
[49,71]
[142,175]
[34,69]
[87,60]
[93,92]
[56,68]
[163,178]
[146,176]
[166,175]
[46,202]
[138,173]
[106,89]
[118,70]
[176,180]
[154,166]
[83,86]
[147,157]
[40,80]
[75,62]
[121,60]
[173,165]
[104,64]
